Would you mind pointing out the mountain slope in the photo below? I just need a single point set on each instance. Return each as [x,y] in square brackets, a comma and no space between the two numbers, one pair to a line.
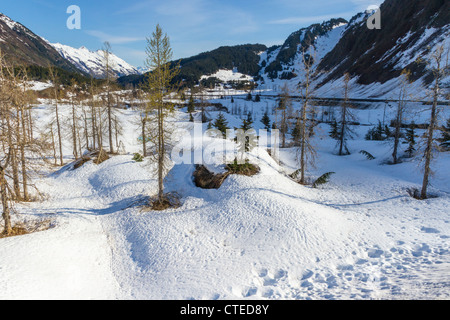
[91,62]
[408,32]
[21,46]
[280,61]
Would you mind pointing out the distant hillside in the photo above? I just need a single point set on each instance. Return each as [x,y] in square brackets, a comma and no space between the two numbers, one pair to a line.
[243,58]
[20,46]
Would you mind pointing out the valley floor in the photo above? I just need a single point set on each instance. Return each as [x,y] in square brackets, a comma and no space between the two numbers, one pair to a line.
[361,236]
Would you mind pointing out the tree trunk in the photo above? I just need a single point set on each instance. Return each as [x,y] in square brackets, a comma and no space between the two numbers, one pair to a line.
[22,157]
[4,195]
[144,137]
[429,147]
[433,120]
[58,128]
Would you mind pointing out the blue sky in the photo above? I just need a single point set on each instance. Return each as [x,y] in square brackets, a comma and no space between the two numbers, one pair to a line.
[193,26]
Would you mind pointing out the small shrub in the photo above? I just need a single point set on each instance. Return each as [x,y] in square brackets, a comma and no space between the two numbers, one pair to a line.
[246,169]
[138,157]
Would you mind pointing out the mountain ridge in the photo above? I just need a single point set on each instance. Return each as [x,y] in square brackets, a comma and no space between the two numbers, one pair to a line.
[91,62]
[20,46]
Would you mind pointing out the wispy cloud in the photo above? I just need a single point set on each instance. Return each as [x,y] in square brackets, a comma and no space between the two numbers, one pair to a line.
[310,19]
[113,39]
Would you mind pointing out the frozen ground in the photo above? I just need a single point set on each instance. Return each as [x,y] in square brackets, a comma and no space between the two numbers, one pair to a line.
[266,237]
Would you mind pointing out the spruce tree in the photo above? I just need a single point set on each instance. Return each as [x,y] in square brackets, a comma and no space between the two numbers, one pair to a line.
[250,140]
[445,138]
[266,121]
[221,124]
[191,105]
[334,130]
[296,133]
[411,140]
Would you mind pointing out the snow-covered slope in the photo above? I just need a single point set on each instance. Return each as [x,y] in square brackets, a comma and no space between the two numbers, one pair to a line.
[326,36]
[91,62]
[264,237]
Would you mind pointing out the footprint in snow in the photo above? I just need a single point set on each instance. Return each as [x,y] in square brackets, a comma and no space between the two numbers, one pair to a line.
[429,230]
[375,253]
[307,274]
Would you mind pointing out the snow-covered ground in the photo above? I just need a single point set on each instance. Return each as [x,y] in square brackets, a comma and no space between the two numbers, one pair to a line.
[361,236]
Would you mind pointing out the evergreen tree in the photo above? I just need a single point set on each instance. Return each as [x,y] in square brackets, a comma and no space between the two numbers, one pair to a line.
[274,126]
[334,130]
[257,98]
[249,96]
[248,142]
[209,126]
[376,133]
[191,104]
[221,124]
[248,122]
[266,121]
[445,138]
[296,133]
[411,140]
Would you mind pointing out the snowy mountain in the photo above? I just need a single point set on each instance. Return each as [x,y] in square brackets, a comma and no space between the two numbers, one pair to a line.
[376,58]
[373,58]
[20,45]
[91,62]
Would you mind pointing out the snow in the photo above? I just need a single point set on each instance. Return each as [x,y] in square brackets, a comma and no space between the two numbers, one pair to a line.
[229,75]
[92,62]
[38,85]
[361,236]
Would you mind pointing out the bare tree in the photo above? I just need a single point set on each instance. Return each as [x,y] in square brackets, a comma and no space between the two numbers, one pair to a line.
[305,151]
[108,75]
[56,96]
[439,69]
[401,106]
[158,86]
[346,116]
[284,105]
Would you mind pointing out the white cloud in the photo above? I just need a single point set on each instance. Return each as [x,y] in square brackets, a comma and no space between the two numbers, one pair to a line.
[310,19]
[113,39]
